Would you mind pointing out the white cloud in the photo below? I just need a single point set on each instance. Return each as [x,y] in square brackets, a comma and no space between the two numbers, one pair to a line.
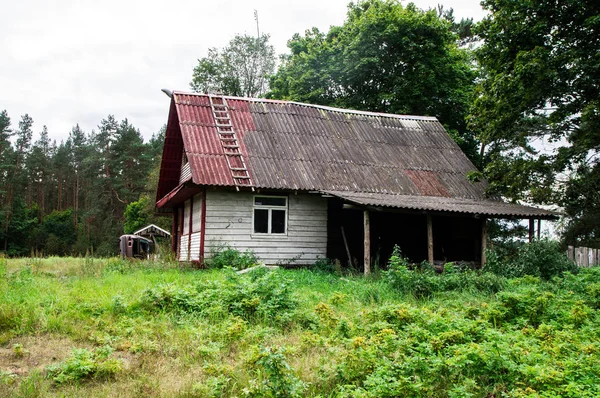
[66,62]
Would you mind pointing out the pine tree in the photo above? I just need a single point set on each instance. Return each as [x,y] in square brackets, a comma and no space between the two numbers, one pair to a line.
[17,177]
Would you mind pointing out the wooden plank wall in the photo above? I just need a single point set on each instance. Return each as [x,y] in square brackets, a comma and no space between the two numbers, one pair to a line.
[195,247]
[185,232]
[584,256]
[195,228]
[186,173]
[191,231]
[229,221]
[183,248]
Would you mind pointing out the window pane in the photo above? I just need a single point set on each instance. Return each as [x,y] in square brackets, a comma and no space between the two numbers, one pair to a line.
[278,221]
[269,201]
[261,221]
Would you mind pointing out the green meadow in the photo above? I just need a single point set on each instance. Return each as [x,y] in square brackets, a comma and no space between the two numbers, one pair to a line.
[105,327]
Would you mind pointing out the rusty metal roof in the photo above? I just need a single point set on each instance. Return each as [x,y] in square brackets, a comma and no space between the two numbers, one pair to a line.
[293,146]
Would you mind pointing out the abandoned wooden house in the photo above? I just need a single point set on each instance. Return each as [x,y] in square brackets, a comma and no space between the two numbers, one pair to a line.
[296,182]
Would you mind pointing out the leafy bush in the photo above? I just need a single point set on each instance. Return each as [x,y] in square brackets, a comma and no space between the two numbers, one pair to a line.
[536,339]
[543,258]
[226,256]
[261,295]
[273,376]
[84,364]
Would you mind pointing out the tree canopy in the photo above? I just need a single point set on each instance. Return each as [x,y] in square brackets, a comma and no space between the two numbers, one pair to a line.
[71,197]
[385,58]
[240,69]
[540,65]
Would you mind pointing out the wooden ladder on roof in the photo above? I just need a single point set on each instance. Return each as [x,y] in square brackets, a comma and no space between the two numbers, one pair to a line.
[229,143]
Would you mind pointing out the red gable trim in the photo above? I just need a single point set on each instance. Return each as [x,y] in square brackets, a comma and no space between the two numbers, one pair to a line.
[170,166]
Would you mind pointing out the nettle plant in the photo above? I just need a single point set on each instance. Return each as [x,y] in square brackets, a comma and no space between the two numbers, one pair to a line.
[84,364]
[226,256]
[423,282]
[272,375]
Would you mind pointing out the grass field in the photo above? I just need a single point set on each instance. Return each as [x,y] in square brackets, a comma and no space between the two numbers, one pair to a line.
[83,327]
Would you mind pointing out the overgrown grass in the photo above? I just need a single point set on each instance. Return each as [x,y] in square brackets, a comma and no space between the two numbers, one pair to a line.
[81,327]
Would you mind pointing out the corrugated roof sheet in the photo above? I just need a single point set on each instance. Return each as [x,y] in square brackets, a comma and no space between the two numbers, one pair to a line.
[486,207]
[293,146]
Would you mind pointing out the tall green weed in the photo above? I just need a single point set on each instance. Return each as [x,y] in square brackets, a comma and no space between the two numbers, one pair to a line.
[272,375]
[226,256]
[262,295]
[85,364]
[423,281]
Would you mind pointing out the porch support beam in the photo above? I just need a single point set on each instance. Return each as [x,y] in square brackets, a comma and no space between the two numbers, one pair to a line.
[483,240]
[367,248]
[531,229]
[539,228]
[429,239]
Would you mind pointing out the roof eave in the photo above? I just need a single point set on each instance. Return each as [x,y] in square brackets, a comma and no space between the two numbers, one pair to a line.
[502,211]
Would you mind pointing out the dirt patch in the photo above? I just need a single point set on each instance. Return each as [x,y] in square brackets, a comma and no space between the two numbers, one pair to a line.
[35,352]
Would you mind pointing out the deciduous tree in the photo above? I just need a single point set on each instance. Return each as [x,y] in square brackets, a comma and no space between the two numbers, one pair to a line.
[385,58]
[242,68]
[541,68]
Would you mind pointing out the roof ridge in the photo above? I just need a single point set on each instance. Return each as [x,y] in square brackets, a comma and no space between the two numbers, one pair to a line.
[323,107]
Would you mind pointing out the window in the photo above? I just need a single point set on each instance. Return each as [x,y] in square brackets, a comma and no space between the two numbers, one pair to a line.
[270,215]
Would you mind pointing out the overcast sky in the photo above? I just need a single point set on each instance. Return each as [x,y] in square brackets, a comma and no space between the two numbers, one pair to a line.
[77,61]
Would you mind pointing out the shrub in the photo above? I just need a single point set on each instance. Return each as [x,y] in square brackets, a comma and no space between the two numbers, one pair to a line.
[84,364]
[226,256]
[273,376]
[530,305]
[543,258]
[262,294]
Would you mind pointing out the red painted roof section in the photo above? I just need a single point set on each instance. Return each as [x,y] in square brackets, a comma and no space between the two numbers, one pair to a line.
[427,183]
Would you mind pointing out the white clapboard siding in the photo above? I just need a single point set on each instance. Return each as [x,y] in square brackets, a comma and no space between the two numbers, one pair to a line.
[186,173]
[186,217]
[183,248]
[195,247]
[197,213]
[229,222]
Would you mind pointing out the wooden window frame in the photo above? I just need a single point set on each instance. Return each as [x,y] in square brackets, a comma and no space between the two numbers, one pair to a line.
[270,208]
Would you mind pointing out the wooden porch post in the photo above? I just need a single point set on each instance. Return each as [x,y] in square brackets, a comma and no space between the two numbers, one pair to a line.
[539,229]
[483,240]
[429,239]
[531,228]
[367,229]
